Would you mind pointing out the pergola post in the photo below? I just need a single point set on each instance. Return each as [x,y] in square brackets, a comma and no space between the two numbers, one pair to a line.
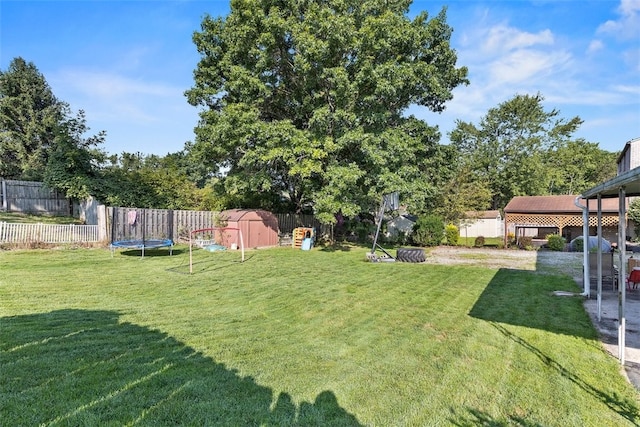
[599,256]
[622,247]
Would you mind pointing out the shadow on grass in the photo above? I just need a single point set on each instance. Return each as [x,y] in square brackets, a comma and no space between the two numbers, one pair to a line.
[76,367]
[337,247]
[475,418]
[212,263]
[627,409]
[524,298]
[151,252]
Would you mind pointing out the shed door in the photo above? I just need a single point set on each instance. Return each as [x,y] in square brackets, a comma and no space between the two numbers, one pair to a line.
[255,234]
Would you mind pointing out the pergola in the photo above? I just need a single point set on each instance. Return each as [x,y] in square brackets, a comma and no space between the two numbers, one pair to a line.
[557,212]
[626,184]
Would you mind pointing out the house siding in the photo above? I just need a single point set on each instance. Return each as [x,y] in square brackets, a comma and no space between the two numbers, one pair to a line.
[630,156]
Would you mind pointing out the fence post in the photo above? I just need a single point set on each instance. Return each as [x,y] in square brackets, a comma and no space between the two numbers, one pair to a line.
[3,190]
[101,214]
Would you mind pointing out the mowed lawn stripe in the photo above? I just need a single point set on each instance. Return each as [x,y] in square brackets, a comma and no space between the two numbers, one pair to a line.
[317,337]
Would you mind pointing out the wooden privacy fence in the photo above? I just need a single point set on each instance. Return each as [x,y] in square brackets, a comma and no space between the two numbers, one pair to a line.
[287,222]
[48,233]
[32,197]
[136,224]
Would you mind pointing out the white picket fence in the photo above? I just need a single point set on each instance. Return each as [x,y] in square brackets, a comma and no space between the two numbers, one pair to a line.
[48,233]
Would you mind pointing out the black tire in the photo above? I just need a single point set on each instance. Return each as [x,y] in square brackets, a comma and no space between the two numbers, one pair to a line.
[410,255]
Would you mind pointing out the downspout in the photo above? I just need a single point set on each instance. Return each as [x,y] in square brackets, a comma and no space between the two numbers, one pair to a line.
[585,247]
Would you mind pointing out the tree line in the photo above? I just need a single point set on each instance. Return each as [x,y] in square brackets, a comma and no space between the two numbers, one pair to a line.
[303,109]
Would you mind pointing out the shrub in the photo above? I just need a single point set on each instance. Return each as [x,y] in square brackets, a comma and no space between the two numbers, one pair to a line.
[578,245]
[452,234]
[428,230]
[479,242]
[556,242]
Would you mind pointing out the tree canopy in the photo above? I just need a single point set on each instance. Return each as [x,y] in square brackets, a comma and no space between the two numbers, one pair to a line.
[305,100]
[519,149]
[74,159]
[29,117]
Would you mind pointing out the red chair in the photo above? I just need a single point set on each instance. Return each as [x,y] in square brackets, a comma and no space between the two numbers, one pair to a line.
[633,279]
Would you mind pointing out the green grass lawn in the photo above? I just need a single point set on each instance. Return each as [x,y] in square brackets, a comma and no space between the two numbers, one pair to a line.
[290,337]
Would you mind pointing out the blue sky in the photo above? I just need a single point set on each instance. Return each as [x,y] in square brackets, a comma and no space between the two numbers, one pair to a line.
[128,63]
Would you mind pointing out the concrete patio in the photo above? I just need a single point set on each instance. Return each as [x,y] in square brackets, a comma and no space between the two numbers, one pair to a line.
[607,326]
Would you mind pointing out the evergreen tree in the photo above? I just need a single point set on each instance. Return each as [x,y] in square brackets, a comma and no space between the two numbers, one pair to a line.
[29,117]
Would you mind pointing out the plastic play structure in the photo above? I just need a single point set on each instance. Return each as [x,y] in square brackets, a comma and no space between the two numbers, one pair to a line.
[217,243]
[303,238]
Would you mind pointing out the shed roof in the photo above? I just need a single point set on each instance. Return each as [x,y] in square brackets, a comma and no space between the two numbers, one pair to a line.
[247,214]
[556,204]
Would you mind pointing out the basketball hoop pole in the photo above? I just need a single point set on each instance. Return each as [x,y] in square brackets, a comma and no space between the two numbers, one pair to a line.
[379,221]
[389,201]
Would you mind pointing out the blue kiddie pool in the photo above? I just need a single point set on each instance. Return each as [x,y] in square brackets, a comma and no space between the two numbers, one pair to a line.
[214,248]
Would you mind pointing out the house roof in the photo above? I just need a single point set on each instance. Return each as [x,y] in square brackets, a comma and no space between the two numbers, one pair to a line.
[557,204]
[484,214]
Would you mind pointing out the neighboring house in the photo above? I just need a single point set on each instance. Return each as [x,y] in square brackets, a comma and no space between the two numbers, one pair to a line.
[629,158]
[539,216]
[484,223]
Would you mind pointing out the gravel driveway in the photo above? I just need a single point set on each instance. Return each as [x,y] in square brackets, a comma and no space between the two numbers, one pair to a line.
[543,261]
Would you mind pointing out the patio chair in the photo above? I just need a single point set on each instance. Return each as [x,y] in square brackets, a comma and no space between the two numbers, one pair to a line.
[633,274]
[609,269]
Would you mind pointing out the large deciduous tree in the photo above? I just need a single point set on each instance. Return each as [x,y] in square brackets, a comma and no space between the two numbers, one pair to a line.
[509,149]
[73,164]
[577,166]
[305,99]
[29,117]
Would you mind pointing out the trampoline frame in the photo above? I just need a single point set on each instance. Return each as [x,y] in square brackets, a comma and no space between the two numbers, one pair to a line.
[139,244]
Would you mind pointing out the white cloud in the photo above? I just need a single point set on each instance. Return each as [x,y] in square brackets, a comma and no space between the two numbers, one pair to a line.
[109,86]
[628,89]
[113,97]
[632,58]
[502,55]
[595,46]
[527,66]
[628,25]
[502,38]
